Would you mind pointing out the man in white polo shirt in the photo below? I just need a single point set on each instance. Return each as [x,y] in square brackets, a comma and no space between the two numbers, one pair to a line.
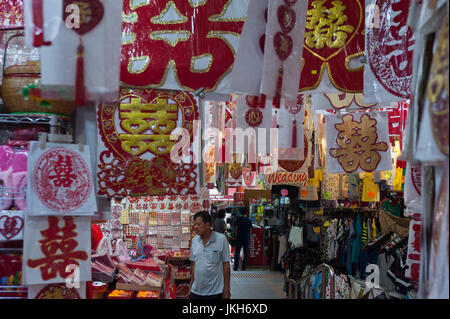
[210,261]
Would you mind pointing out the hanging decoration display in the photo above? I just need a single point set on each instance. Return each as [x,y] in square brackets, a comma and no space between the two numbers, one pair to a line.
[59,180]
[11,14]
[248,67]
[249,177]
[252,112]
[414,249]
[90,67]
[11,225]
[358,142]
[181,45]
[134,144]
[64,246]
[57,291]
[290,126]
[438,89]
[304,165]
[413,186]
[93,12]
[283,50]
[235,171]
[334,42]
[389,50]
[433,138]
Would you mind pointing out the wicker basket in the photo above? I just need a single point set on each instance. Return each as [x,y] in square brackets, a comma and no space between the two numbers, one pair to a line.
[16,78]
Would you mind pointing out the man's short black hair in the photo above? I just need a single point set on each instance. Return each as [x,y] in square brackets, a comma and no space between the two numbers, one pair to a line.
[206,217]
[244,211]
[221,213]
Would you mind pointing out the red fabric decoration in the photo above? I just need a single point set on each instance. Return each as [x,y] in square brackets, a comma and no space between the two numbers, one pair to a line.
[322,50]
[201,27]
[96,236]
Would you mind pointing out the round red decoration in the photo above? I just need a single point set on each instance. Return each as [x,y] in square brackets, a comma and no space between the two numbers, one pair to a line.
[286,18]
[283,45]
[91,13]
[10,226]
[57,291]
[62,180]
[253,117]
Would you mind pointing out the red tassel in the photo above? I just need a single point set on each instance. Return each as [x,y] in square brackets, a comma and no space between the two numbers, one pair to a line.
[80,90]
[294,134]
[277,99]
[38,23]
[262,101]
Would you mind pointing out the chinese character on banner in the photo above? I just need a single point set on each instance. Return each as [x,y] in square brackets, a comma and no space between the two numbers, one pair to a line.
[389,50]
[358,142]
[180,44]
[334,38]
[56,249]
[60,181]
[135,144]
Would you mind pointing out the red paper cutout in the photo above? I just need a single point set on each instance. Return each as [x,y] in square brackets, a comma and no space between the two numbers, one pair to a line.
[204,37]
[124,174]
[10,226]
[57,291]
[58,239]
[393,74]
[62,180]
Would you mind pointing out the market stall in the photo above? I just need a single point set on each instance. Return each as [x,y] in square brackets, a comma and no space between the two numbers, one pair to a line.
[326,120]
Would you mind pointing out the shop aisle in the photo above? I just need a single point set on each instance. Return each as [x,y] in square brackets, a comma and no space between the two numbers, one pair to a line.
[257,283]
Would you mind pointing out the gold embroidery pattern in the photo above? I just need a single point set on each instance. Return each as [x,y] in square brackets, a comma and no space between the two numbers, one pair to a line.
[141,4]
[327,25]
[138,59]
[204,70]
[159,19]
[158,35]
[130,18]
[216,18]
[158,116]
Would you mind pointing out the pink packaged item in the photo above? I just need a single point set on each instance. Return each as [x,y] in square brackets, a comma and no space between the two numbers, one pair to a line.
[6,187]
[19,182]
[6,157]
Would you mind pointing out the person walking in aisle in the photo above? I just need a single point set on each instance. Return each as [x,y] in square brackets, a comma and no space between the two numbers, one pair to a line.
[243,226]
[210,261]
[220,226]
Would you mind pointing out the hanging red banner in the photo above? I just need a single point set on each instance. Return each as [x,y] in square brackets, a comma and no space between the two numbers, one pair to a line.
[334,34]
[189,38]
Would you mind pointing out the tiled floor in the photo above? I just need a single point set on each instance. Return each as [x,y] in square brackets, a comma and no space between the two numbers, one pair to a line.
[257,283]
